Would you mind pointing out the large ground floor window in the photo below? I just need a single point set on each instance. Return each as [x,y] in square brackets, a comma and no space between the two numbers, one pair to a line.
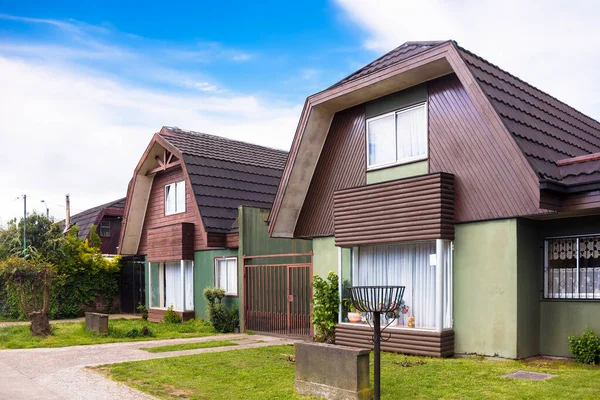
[423,268]
[172,284]
[572,268]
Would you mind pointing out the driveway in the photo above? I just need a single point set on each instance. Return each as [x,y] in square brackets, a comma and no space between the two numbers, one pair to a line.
[60,373]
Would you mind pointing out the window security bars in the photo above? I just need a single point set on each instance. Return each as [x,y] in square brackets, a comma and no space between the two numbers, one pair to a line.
[572,268]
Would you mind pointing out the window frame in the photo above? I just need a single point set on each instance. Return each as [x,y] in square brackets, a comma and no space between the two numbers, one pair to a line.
[161,270]
[175,185]
[556,296]
[102,227]
[237,283]
[395,113]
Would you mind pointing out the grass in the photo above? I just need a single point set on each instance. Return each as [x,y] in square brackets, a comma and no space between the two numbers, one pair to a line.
[119,330]
[189,346]
[265,373]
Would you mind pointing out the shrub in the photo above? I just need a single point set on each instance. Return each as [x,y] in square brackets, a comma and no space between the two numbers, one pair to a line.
[144,310]
[585,348]
[325,307]
[171,317]
[224,319]
[135,332]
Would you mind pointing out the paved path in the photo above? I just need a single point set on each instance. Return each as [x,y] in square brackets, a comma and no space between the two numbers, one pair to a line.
[60,373]
[81,319]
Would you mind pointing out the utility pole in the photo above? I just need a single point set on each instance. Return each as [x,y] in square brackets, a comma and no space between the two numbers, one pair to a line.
[47,209]
[68,212]
[24,224]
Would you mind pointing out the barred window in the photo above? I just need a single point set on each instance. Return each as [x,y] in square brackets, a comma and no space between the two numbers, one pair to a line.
[572,268]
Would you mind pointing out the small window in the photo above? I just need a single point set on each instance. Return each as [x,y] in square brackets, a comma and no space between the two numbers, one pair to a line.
[226,275]
[397,137]
[105,228]
[572,268]
[175,198]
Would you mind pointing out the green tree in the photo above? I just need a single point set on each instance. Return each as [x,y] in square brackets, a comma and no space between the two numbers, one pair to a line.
[44,237]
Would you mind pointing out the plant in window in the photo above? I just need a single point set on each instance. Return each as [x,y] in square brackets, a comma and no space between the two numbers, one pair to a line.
[585,348]
[325,307]
[171,317]
[353,316]
[223,318]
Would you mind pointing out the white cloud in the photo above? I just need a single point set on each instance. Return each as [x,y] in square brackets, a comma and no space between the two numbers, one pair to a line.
[553,45]
[64,131]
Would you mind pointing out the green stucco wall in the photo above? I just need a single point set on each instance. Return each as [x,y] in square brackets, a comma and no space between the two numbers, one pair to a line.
[561,319]
[204,276]
[529,270]
[485,288]
[395,101]
[326,258]
[398,172]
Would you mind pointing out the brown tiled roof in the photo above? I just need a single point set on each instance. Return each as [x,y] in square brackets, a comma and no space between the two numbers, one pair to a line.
[227,173]
[397,55]
[546,129]
[85,219]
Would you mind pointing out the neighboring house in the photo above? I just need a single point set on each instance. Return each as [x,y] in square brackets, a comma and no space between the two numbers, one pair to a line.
[107,219]
[196,208]
[435,169]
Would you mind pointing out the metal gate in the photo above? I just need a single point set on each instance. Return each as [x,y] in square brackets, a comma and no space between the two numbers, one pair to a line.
[277,296]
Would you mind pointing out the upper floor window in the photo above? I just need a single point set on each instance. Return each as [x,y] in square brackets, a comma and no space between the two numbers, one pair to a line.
[572,268]
[398,137]
[175,198]
[105,228]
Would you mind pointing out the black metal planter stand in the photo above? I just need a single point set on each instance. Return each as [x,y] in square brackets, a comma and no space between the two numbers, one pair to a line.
[377,300]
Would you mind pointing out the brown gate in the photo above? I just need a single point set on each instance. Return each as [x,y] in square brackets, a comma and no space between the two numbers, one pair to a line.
[277,296]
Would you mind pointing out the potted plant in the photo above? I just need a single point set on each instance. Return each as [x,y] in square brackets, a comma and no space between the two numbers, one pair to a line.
[353,316]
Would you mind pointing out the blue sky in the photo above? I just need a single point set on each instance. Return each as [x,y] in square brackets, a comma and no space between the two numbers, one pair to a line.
[85,85]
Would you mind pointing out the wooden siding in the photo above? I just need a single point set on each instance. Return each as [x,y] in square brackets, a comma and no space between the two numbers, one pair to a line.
[341,165]
[158,314]
[406,341]
[155,212]
[110,244]
[171,242]
[488,182]
[416,208]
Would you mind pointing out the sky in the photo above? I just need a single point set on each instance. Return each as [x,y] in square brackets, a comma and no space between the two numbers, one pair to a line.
[84,85]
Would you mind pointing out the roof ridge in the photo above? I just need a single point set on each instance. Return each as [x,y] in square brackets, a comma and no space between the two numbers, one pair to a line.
[176,130]
[432,43]
[532,87]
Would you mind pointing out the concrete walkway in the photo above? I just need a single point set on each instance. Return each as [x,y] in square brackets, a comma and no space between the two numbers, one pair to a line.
[60,373]
[80,319]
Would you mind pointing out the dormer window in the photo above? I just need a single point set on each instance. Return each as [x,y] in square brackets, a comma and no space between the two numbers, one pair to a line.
[398,137]
[175,198]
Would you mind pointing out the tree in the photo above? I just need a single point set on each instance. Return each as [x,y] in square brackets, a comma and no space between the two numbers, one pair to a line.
[30,280]
[44,237]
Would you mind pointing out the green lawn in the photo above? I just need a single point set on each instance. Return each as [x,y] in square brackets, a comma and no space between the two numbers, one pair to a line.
[189,346]
[265,373]
[120,330]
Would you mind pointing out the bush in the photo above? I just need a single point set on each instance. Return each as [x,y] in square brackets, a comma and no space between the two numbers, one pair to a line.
[144,310]
[585,348]
[171,317]
[135,332]
[325,307]
[223,318]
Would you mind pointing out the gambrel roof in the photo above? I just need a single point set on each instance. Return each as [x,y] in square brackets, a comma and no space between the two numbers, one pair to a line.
[226,173]
[554,144]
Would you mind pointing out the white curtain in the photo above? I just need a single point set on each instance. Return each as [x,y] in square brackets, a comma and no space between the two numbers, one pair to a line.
[170,199]
[404,265]
[381,137]
[227,275]
[173,294]
[189,284]
[180,196]
[411,132]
